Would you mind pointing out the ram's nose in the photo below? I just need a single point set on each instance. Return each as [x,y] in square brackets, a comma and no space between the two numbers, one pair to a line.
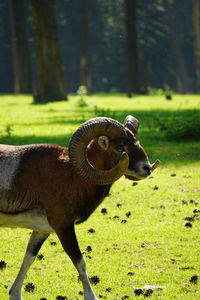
[147,168]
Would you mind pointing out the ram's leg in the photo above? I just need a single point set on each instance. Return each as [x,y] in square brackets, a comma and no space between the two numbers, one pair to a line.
[34,245]
[69,242]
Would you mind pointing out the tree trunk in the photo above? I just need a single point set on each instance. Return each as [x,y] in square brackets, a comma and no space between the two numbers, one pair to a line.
[51,84]
[183,81]
[85,80]
[21,54]
[196,21]
[132,49]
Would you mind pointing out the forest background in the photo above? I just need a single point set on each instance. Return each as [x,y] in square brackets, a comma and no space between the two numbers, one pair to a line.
[126,45]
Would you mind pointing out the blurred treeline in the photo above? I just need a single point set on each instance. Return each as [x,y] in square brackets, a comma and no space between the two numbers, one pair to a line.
[164,44]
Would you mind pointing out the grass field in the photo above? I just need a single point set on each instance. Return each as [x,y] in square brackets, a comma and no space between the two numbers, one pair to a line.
[151,232]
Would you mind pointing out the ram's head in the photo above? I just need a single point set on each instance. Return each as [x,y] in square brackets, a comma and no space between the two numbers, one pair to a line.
[126,155]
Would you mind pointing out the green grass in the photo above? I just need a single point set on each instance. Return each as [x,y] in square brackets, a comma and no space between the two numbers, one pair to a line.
[158,205]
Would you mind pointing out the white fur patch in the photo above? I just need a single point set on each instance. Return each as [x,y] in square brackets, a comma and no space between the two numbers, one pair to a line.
[139,172]
[34,219]
[88,292]
[134,174]
[8,169]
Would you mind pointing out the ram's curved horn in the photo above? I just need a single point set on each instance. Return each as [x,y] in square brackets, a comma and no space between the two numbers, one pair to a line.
[132,124]
[79,142]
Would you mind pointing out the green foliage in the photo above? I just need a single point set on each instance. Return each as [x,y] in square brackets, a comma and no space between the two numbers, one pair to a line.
[102,112]
[8,130]
[82,91]
[181,125]
[81,101]
[152,91]
[159,92]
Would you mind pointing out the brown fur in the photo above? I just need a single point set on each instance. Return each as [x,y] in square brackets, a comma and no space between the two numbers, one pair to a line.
[42,181]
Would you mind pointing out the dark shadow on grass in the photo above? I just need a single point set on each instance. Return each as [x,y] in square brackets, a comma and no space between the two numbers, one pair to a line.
[146,118]
[62,140]
[150,136]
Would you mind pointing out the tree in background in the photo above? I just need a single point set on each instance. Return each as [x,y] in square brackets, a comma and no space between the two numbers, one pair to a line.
[107,46]
[20,49]
[183,82]
[51,84]
[196,21]
[84,59]
[132,49]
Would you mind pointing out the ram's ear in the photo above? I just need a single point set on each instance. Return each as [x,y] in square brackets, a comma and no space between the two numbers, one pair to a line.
[132,124]
[103,142]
